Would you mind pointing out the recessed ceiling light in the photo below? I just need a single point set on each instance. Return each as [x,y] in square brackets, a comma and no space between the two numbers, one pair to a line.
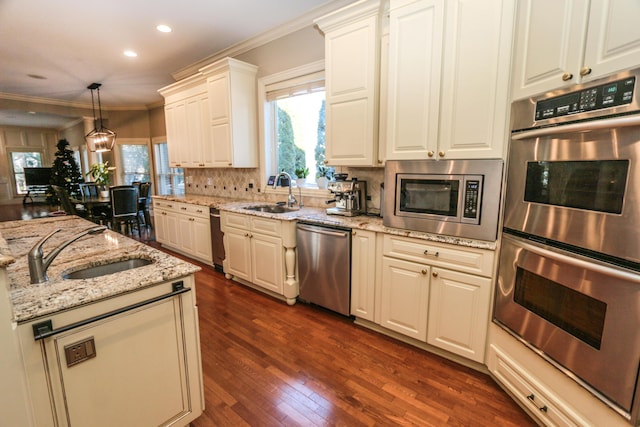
[130,53]
[163,28]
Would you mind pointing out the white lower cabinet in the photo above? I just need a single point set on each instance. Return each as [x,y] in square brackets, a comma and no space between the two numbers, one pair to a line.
[184,227]
[405,297]
[140,366]
[548,407]
[261,252]
[424,297]
[363,274]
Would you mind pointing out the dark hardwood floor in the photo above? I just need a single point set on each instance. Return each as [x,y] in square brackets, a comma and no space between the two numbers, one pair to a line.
[268,364]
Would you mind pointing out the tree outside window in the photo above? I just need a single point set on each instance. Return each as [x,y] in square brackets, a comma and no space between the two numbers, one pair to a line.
[300,121]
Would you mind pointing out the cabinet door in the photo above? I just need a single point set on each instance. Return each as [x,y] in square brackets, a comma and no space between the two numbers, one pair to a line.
[201,229]
[176,118]
[415,61]
[119,386]
[267,262]
[405,297]
[160,224]
[363,270]
[613,40]
[549,45]
[193,143]
[172,230]
[186,237]
[477,62]
[351,91]
[218,87]
[237,251]
[459,313]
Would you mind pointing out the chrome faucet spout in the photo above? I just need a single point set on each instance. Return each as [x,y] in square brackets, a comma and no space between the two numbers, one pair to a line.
[38,263]
[291,200]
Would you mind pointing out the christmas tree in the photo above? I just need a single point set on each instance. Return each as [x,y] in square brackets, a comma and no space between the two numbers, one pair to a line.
[64,173]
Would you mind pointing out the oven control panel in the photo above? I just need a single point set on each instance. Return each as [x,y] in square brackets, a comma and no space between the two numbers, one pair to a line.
[599,97]
[471,199]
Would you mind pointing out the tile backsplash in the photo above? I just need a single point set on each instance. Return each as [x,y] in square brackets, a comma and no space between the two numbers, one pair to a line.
[236,183]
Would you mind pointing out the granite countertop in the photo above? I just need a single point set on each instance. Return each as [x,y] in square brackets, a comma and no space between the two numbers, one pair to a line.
[319,216]
[31,301]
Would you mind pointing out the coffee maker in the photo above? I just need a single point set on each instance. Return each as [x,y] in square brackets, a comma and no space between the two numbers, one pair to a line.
[350,197]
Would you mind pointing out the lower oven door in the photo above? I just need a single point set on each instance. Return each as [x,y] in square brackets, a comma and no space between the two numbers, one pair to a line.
[581,315]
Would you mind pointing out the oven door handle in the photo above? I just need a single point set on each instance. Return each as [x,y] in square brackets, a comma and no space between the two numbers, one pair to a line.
[587,265]
[576,127]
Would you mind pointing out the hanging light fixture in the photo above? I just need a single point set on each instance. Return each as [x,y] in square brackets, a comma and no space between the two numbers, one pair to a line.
[100,138]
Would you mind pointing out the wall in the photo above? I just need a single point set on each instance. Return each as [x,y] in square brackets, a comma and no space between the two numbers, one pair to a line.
[157,125]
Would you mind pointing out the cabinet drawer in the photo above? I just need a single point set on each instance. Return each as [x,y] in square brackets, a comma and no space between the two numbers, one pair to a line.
[192,210]
[535,396]
[272,227]
[469,260]
[235,220]
[163,204]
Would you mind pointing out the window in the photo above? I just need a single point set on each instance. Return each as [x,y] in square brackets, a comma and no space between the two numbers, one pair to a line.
[168,180]
[294,121]
[135,163]
[21,160]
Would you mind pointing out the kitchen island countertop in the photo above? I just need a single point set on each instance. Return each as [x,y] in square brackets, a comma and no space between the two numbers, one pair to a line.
[319,216]
[31,301]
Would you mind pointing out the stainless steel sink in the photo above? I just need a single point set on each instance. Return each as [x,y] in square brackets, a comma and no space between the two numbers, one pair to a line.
[104,269]
[270,208]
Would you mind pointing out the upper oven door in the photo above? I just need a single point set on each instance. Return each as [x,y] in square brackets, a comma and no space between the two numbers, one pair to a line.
[578,184]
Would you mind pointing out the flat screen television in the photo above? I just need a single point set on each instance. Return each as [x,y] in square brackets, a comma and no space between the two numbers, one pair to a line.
[37,176]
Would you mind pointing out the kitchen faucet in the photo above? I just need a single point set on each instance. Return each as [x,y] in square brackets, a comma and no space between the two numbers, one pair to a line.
[38,263]
[291,200]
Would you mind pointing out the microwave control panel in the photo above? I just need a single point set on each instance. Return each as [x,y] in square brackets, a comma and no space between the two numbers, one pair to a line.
[471,199]
[598,97]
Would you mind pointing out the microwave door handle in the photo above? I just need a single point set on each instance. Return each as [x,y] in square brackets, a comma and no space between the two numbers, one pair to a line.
[576,127]
[611,272]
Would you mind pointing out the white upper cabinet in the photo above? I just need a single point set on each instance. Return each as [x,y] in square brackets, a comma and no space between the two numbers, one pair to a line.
[352,55]
[232,91]
[448,72]
[186,106]
[415,63]
[564,42]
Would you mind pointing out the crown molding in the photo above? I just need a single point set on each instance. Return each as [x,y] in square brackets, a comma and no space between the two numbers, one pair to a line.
[261,39]
[69,104]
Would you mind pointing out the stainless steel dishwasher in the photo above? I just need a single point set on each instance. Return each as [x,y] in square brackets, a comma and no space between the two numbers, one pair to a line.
[324,266]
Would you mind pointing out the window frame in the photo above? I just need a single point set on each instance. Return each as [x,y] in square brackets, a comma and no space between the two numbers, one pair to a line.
[14,182]
[266,130]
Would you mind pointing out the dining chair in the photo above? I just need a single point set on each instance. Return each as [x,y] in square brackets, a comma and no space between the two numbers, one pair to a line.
[89,189]
[144,196]
[124,208]
[66,204]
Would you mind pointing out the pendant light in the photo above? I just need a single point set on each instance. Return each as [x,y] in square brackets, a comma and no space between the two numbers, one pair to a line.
[100,138]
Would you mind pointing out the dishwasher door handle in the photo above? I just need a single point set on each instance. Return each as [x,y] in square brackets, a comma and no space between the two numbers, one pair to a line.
[324,231]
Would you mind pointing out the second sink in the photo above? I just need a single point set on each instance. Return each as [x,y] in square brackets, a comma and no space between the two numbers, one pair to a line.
[104,269]
[270,208]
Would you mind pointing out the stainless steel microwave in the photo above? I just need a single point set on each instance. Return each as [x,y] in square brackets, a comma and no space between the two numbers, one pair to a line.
[459,198]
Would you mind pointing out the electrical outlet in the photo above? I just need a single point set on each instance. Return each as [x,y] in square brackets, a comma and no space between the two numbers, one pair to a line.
[251,183]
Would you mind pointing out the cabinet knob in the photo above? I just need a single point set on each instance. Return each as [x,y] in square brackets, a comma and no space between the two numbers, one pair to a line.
[441,153]
[326,162]
[379,162]
[353,233]
[191,219]
[567,76]
[434,274]
[430,153]
[229,164]
[585,71]
[424,271]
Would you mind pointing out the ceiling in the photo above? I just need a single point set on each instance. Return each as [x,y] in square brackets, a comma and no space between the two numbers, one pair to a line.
[55,49]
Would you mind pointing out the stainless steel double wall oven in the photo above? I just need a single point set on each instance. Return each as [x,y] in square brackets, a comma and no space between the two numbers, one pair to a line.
[569,276]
